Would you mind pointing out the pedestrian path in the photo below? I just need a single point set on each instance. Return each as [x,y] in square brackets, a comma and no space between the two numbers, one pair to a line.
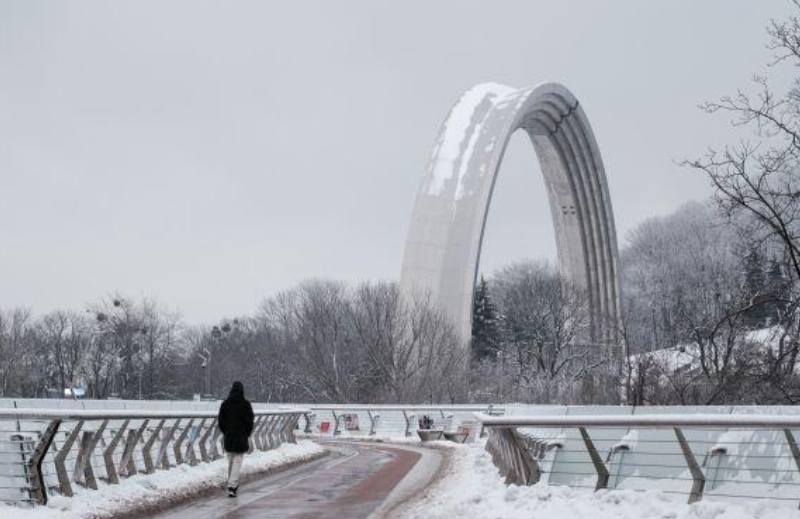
[350,483]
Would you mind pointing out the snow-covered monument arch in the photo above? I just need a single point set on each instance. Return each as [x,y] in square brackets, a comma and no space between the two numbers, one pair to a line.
[443,248]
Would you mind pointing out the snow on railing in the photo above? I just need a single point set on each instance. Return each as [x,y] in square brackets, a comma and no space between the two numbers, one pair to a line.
[51,450]
[728,456]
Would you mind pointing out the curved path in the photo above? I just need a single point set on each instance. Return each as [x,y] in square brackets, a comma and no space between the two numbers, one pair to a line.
[354,481]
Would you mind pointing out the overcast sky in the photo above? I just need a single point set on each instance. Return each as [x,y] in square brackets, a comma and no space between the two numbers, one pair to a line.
[209,154]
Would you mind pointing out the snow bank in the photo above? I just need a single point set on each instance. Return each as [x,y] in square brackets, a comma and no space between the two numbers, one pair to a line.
[148,490]
[684,357]
[473,488]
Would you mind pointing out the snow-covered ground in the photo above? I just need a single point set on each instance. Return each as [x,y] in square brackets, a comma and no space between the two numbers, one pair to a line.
[471,487]
[144,491]
[683,357]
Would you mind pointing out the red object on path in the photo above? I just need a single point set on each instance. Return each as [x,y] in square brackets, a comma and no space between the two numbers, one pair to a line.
[324,426]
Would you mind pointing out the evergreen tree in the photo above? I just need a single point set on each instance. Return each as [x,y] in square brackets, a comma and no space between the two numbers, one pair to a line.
[485,329]
[755,288]
[754,273]
[778,288]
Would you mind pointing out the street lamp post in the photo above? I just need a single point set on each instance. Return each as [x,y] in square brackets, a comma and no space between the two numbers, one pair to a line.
[217,332]
[205,355]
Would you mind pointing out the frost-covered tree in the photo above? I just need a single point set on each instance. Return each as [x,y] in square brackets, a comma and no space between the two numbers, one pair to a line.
[687,293]
[757,181]
[756,185]
[545,354]
[672,268]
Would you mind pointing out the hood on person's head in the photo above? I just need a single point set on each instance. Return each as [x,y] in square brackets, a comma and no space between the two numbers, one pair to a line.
[237,390]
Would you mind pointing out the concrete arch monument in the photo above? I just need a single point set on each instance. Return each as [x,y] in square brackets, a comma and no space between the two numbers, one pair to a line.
[443,248]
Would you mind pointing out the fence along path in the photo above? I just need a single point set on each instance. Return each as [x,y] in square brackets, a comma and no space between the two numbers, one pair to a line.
[735,462]
[43,451]
[724,452]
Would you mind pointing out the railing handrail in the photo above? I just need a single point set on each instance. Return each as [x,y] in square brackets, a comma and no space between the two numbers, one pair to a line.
[180,436]
[656,421]
[393,407]
[124,414]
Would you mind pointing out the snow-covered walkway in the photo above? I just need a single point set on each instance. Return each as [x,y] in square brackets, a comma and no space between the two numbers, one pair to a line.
[472,488]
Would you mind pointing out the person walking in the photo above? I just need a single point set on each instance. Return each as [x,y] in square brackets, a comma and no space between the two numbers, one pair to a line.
[236,424]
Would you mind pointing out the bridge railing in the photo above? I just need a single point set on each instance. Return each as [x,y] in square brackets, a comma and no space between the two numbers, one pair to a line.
[45,451]
[391,420]
[727,456]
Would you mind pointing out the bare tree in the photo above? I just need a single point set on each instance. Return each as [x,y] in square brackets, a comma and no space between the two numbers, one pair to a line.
[545,330]
[15,346]
[757,182]
[63,340]
[379,318]
[434,357]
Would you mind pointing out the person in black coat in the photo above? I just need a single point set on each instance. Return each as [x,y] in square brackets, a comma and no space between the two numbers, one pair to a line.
[235,421]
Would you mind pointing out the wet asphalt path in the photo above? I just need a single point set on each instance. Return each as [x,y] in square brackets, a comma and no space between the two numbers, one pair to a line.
[350,483]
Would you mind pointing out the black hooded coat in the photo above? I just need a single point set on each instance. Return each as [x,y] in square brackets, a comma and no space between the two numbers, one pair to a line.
[236,420]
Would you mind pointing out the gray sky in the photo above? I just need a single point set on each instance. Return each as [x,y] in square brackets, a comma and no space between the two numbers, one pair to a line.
[209,154]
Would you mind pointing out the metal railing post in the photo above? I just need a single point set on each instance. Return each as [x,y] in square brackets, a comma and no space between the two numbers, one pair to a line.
[108,455]
[176,449]
[280,430]
[793,447]
[408,418]
[163,452]
[336,431]
[273,437]
[215,447]
[255,437]
[204,440]
[266,432]
[698,479]
[84,471]
[61,458]
[38,486]
[373,422]
[149,466]
[597,461]
[127,465]
[291,424]
[309,422]
[193,437]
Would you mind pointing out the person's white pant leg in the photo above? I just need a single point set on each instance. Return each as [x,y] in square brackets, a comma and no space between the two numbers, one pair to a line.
[234,468]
